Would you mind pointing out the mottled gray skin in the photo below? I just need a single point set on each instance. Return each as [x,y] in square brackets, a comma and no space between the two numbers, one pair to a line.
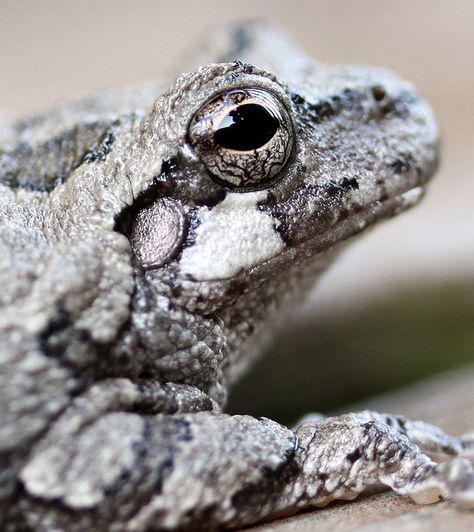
[135,289]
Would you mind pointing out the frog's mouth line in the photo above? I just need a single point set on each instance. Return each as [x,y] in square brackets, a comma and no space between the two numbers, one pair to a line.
[346,228]
[341,231]
[357,222]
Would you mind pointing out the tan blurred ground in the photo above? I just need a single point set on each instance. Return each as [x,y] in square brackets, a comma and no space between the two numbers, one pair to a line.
[56,50]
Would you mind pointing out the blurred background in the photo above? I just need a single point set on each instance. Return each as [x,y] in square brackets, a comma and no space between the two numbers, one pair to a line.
[399,305]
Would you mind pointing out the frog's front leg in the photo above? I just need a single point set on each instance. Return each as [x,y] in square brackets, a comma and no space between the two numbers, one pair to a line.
[122,470]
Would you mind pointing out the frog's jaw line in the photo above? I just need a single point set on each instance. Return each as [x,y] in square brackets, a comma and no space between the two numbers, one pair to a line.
[321,243]
[358,222]
[351,226]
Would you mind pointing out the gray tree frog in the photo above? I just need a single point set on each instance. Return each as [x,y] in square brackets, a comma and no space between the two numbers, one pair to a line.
[151,241]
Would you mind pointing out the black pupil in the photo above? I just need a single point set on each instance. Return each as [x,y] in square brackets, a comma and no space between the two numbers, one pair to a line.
[248,127]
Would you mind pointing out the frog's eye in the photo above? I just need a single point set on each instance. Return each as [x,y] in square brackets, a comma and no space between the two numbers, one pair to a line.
[244,137]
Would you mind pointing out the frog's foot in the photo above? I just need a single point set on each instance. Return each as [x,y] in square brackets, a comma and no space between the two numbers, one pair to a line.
[346,454]
[430,439]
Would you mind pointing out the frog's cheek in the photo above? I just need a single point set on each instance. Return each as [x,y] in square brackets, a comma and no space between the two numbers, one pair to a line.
[231,238]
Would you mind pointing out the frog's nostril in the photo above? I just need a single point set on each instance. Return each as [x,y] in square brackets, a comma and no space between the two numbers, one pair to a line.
[385,102]
[379,93]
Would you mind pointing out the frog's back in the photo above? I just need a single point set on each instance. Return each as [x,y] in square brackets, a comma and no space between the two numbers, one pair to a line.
[39,152]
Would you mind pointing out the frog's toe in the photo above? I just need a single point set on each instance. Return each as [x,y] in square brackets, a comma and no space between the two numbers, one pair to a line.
[451,480]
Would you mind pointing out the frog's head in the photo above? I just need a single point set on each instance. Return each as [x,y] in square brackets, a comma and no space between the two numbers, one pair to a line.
[257,174]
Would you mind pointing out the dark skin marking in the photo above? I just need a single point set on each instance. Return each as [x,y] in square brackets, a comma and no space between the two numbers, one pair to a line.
[192,222]
[317,113]
[235,289]
[58,322]
[281,227]
[169,165]
[100,153]
[400,165]
[353,101]
[43,167]
[354,456]
[160,186]
[334,189]
[269,485]
[281,230]
[218,198]
[398,107]
[350,101]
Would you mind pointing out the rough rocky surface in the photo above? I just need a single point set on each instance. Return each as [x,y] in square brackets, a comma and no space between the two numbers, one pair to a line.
[448,401]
